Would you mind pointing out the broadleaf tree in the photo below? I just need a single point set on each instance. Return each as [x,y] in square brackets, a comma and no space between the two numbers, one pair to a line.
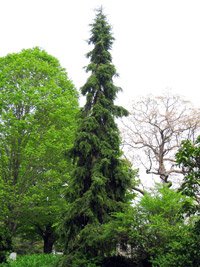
[167,234]
[154,232]
[38,107]
[101,179]
[188,157]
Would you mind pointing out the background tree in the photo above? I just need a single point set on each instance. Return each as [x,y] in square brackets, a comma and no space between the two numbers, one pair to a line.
[101,178]
[41,211]
[38,107]
[154,130]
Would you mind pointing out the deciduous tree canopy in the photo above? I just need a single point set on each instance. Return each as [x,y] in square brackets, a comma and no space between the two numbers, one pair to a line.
[38,107]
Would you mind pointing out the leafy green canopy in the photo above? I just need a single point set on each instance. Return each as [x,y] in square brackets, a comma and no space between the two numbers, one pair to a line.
[188,157]
[38,107]
[168,234]
[156,231]
[38,104]
[100,181]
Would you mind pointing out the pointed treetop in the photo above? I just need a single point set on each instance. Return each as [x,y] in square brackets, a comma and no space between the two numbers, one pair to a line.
[101,30]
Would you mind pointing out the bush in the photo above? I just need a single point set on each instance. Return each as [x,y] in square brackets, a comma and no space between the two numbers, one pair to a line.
[77,260]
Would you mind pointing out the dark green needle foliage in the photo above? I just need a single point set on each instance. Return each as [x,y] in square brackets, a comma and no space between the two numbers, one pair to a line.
[101,179]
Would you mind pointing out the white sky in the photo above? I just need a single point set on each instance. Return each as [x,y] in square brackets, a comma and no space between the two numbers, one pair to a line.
[157,43]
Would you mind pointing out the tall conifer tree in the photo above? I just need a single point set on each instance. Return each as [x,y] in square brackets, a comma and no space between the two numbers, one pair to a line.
[101,178]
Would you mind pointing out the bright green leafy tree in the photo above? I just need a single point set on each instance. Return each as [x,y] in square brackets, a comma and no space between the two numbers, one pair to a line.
[101,178]
[188,157]
[38,107]
[167,233]
[155,231]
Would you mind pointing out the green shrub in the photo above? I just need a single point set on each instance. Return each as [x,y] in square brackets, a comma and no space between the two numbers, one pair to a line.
[78,260]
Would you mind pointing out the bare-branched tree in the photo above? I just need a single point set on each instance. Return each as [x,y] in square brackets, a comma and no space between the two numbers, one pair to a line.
[154,130]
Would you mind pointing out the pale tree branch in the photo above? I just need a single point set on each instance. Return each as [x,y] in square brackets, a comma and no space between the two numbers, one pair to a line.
[155,130]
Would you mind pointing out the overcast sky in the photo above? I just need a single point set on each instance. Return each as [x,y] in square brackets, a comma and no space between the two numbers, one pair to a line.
[157,44]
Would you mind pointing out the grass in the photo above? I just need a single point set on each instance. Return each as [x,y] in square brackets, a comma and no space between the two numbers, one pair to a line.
[35,260]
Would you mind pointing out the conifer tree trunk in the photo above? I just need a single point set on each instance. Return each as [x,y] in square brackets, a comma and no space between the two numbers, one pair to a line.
[101,178]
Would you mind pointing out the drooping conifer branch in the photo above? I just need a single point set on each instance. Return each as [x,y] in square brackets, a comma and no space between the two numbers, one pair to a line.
[101,178]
